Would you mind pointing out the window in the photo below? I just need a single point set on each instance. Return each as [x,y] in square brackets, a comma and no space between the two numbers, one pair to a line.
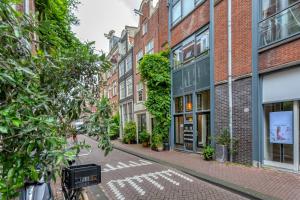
[187,6]
[149,49]
[142,125]
[129,86]
[121,68]
[182,8]
[279,133]
[130,111]
[140,91]
[145,28]
[278,22]
[128,62]
[176,12]
[188,49]
[203,100]
[188,103]
[139,56]
[122,90]
[202,42]
[109,92]
[177,57]
[270,7]
[178,104]
[114,88]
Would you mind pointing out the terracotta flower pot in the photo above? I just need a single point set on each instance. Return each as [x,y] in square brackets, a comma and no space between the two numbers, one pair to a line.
[145,144]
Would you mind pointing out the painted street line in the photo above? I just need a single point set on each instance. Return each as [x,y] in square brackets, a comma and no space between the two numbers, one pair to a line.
[150,177]
[122,165]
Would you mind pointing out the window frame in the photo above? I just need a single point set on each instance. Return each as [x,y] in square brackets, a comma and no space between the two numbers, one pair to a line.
[140,88]
[129,86]
[145,28]
[127,68]
[262,20]
[151,50]
[122,88]
[121,68]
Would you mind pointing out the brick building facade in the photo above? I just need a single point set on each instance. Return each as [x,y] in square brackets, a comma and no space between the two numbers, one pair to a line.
[151,37]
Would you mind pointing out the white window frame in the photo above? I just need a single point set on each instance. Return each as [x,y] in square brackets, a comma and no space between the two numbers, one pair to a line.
[140,89]
[145,28]
[122,90]
[129,88]
[149,48]
[115,88]
[121,68]
[128,62]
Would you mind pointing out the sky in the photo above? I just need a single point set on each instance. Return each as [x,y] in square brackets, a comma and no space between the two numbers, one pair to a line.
[100,16]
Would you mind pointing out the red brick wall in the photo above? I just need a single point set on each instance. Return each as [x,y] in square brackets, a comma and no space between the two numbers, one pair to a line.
[280,55]
[241,37]
[157,30]
[198,18]
[221,44]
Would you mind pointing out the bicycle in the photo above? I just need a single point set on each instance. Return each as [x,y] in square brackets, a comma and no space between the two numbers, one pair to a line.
[75,177]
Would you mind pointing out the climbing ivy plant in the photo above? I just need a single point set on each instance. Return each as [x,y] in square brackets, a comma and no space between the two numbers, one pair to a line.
[155,72]
[46,75]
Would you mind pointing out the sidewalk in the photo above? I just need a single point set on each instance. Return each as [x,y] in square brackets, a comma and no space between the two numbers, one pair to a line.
[255,182]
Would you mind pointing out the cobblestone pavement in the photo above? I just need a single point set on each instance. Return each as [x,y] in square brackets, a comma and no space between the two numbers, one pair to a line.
[125,176]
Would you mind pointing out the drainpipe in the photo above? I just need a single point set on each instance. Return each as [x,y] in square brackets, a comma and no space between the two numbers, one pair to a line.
[171,131]
[230,75]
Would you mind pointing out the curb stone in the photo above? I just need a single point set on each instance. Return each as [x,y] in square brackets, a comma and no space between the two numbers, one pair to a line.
[246,192]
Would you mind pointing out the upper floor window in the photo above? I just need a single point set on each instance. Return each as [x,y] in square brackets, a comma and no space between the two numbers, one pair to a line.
[280,19]
[129,86]
[128,63]
[176,12]
[188,49]
[115,88]
[202,42]
[177,57]
[149,49]
[187,6]
[139,56]
[145,28]
[140,92]
[122,90]
[121,68]
[182,8]
[270,7]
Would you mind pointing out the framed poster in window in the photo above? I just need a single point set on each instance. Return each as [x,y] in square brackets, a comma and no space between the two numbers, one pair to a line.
[281,127]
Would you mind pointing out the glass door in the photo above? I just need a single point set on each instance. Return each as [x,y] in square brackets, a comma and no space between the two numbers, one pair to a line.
[179,130]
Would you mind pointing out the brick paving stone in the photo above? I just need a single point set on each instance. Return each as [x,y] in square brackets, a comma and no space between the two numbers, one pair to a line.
[188,188]
[270,182]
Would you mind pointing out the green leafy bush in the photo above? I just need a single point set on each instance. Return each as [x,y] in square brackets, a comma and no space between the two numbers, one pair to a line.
[129,132]
[156,141]
[144,137]
[208,152]
[114,127]
[224,139]
[155,71]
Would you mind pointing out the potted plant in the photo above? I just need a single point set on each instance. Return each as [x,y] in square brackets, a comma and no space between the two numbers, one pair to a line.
[208,152]
[223,142]
[144,138]
[129,132]
[157,142]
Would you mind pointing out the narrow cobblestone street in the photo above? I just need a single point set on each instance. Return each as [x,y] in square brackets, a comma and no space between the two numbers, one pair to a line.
[125,176]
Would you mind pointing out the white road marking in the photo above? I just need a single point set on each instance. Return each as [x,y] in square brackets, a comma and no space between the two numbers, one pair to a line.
[122,165]
[135,180]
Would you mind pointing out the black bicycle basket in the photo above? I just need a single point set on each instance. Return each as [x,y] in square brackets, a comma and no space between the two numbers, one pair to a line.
[79,176]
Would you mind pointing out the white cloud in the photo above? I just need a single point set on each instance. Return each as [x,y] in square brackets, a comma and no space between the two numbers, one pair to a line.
[100,16]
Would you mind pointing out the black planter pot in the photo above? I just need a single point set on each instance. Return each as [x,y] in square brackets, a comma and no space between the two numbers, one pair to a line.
[166,146]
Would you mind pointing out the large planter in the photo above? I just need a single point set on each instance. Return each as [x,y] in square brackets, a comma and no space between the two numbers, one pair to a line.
[166,146]
[145,144]
[221,153]
[158,148]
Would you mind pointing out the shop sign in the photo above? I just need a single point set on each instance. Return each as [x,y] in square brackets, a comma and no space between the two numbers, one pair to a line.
[281,127]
